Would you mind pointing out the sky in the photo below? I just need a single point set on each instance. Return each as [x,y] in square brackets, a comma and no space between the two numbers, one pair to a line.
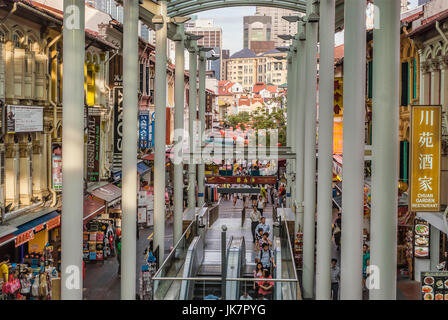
[231,22]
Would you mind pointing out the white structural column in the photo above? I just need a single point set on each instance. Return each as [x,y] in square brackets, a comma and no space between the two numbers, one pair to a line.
[353,174]
[193,63]
[300,123]
[73,156]
[179,101]
[386,70]
[325,173]
[130,115]
[201,122]
[310,156]
[291,106]
[160,134]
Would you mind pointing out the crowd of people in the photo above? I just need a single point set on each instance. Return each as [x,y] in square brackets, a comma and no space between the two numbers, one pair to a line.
[22,282]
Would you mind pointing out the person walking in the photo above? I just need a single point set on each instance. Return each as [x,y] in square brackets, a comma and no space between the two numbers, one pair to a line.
[266,257]
[365,259]
[119,255]
[263,225]
[255,218]
[260,205]
[335,274]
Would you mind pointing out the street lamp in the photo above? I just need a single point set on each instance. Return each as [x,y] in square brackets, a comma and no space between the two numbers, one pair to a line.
[292,19]
[282,49]
[285,37]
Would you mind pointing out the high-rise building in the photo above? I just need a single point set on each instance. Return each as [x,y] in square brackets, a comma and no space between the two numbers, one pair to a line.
[279,25]
[212,35]
[256,28]
[212,38]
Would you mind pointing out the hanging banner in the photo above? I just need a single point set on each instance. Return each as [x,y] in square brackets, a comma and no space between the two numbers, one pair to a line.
[118,119]
[425,158]
[56,160]
[93,147]
[143,133]
[24,119]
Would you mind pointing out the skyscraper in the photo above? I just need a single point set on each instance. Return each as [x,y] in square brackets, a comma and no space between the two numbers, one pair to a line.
[212,38]
[279,25]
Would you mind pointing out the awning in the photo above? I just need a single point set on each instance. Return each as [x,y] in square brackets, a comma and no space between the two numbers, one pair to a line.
[150,156]
[6,239]
[92,208]
[142,168]
[108,193]
[36,223]
[25,232]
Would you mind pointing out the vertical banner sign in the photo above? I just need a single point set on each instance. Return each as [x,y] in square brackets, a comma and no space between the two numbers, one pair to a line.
[118,119]
[143,133]
[56,160]
[93,147]
[425,158]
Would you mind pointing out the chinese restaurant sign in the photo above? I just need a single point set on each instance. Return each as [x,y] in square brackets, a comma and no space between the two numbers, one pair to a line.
[425,158]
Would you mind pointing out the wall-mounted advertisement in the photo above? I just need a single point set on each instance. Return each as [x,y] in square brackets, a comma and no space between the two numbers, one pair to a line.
[56,160]
[421,239]
[24,119]
[93,147]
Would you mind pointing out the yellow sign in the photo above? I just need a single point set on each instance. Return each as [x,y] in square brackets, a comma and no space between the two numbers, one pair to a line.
[338,137]
[425,158]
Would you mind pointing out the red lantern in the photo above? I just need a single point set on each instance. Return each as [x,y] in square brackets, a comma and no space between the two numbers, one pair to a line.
[279,144]
[234,138]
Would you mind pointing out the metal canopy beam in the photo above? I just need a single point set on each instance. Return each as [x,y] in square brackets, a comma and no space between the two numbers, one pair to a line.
[186,7]
[148,9]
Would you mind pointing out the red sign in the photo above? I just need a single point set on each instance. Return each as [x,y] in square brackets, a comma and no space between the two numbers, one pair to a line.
[242,180]
[53,223]
[24,237]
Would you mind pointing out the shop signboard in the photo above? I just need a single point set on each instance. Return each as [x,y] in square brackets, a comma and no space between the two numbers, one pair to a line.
[24,119]
[93,147]
[141,215]
[241,180]
[143,133]
[421,239]
[24,237]
[118,119]
[337,137]
[434,285]
[425,158]
[56,160]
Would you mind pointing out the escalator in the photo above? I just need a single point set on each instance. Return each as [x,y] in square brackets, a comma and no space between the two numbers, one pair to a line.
[193,270]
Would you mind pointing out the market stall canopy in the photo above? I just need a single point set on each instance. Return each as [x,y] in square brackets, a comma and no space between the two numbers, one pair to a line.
[25,232]
[92,208]
[107,193]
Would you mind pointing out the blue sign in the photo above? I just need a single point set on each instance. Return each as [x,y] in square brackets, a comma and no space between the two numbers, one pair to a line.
[151,130]
[143,133]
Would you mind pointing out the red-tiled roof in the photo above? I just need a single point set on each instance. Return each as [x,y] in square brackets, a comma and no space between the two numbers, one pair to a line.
[258,87]
[272,89]
[429,22]
[224,88]
[244,101]
[413,17]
